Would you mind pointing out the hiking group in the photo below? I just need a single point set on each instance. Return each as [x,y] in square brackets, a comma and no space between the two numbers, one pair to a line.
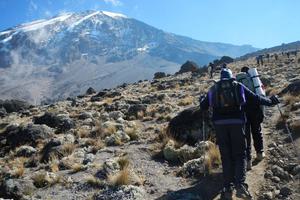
[237,113]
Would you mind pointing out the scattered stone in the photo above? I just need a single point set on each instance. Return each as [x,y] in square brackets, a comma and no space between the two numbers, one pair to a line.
[279,172]
[25,151]
[188,66]
[88,158]
[128,192]
[285,191]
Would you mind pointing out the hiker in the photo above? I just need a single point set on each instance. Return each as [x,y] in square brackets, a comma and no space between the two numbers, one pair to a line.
[254,115]
[261,59]
[224,66]
[211,66]
[276,56]
[288,54]
[226,99]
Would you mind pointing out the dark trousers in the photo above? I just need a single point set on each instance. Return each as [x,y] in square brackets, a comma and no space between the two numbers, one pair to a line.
[232,143]
[253,128]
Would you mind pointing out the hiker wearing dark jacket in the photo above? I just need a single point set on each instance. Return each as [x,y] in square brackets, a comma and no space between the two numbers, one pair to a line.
[255,116]
[227,98]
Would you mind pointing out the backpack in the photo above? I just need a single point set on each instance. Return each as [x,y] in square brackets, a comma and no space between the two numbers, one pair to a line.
[246,80]
[227,97]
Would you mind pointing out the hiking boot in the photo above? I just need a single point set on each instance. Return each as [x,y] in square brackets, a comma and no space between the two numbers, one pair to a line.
[260,156]
[243,192]
[226,193]
[249,165]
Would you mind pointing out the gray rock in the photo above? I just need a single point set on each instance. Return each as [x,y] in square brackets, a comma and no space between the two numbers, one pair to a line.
[61,122]
[285,191]
[275,179]
[88,158]
[296,170]
[28,134]
[268,174]
[115,115]
[14,105]
[279,172]
[268,196]
[193,168]
[85,115]
[26,151]
[3,112]
[16,188]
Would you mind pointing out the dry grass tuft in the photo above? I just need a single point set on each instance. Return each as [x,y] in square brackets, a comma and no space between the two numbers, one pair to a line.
[77,168]
[121,178]
[295,126]
[186,101]
[123,162]
[68,148]
[39,180]
[132,133]
[94,182]
[82,133]
[213,157]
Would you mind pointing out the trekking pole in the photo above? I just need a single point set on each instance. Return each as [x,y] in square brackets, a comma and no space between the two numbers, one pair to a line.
[289,132]
[203,138]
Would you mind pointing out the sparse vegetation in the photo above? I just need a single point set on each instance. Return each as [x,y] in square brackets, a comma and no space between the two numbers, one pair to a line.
[68,148]
[78,167]
[121,178]
[94,182]
[132,133]
[39,180]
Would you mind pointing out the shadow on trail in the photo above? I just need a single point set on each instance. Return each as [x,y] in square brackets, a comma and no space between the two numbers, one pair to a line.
[207,188]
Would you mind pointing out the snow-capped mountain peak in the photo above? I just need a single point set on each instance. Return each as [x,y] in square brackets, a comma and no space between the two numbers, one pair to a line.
[63,55]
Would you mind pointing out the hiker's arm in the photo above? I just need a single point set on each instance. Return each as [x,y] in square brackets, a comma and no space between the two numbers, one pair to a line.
[251,97]
[204,104]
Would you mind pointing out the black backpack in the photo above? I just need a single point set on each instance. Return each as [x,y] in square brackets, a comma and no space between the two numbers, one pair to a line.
[227,97]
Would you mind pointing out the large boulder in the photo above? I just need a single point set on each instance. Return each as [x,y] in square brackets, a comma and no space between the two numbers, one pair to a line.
[61,122]
[159,75]
[90,91]
[188,66]
[187,126]
[293,88]
[29,134]
[14,105]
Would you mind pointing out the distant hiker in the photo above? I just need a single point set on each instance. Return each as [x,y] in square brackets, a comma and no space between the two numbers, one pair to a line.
[224,66]
[288,54]
[255,115]
[226,99]
[268,57]
[276,56]
[211,67]
[261,59]
[257,60]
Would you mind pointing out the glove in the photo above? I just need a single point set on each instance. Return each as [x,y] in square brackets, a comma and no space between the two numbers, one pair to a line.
[201,98]
[274,100]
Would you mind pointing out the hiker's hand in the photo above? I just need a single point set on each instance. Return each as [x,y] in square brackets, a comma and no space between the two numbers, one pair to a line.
[274,100]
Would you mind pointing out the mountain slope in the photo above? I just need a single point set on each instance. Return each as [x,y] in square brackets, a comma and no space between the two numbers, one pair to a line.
[277,49]
[58,57]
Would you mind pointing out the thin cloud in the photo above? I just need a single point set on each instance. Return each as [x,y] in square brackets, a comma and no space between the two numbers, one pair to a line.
[33,5]
[114,2]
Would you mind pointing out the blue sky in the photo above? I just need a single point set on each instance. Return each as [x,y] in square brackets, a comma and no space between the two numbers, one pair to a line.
[261,23]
